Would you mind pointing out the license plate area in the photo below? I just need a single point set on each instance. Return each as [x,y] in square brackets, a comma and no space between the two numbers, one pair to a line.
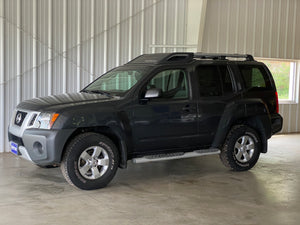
[14,148]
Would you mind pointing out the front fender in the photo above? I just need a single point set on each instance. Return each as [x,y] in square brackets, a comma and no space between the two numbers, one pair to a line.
[107,121]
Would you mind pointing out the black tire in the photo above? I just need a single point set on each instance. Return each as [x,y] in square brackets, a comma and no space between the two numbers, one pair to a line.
[241,149]
[90,161]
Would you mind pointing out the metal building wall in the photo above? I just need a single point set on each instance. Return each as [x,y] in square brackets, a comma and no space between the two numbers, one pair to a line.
[56,46]
[264,28]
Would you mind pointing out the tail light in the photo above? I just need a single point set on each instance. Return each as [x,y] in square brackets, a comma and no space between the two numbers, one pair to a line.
[277,104]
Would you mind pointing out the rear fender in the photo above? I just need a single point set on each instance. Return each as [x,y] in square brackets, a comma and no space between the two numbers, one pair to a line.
[252,112]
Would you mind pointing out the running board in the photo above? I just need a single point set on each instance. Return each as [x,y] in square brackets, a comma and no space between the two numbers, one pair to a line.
[177,155]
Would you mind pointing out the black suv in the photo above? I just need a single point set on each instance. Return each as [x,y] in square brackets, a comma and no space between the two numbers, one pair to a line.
[156,107]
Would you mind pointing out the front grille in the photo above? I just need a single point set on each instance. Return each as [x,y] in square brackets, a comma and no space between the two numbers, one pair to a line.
[15,139]
[19,119]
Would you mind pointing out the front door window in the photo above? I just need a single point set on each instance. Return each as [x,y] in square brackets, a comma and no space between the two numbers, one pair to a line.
[173,84]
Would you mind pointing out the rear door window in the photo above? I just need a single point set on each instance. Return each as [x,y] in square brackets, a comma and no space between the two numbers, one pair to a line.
[255,78]
[214,81]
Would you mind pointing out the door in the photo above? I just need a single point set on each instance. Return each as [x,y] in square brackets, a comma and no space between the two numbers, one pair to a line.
[215,89]
[169,121]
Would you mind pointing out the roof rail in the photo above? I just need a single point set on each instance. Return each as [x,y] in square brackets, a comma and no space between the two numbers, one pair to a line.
[200,55]
[163,58]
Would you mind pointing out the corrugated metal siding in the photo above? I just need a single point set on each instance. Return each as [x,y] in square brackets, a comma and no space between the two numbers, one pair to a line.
[2,80]
[264,28]
[56,46]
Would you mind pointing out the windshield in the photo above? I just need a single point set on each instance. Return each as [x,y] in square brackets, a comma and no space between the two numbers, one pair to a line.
[115,82]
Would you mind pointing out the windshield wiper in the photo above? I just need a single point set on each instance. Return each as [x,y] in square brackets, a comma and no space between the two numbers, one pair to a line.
[98,92]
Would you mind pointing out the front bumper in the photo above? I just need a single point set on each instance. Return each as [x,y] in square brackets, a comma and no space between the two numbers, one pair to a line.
[43,147]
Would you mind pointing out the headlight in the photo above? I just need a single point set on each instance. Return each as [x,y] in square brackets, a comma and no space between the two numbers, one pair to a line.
[45,120]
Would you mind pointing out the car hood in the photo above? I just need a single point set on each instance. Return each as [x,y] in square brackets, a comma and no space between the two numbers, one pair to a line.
[55,103]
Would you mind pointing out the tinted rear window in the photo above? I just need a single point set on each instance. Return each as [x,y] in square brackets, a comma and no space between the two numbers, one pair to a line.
[255,78]
[214,80]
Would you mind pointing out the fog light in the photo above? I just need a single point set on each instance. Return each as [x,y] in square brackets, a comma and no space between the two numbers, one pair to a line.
[38,148]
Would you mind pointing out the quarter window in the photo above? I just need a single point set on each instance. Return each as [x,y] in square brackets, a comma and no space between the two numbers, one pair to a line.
[255,78]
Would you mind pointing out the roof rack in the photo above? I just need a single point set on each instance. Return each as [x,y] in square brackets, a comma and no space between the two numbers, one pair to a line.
[184,57]
[200,55]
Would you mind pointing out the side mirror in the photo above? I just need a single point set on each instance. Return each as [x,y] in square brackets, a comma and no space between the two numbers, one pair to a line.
[153,93]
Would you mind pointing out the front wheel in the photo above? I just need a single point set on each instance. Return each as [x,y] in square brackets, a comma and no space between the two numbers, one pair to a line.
[241,149]
[90,161]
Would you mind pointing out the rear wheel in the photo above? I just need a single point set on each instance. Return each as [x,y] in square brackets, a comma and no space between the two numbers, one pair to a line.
[241,149]
[90,161]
